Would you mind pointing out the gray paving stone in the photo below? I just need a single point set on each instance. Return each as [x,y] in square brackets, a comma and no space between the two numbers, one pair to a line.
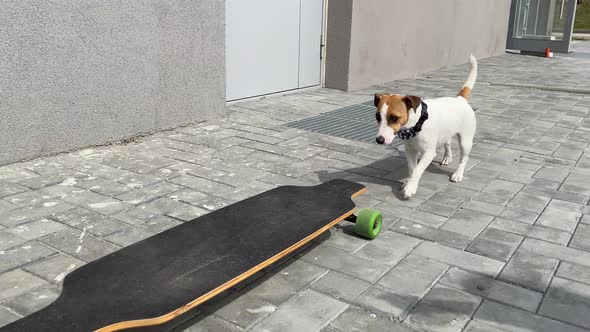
[529,202]
[527,230]
[343,262]
[340,286]
[44,181]
[544,184]
[567,301]
[200,184]
[212,323]
[8,188]
[556,251]
[159,224]
[94,223]
[448,200]
[95,202]
[23,254]
[199,199]
[475,326]
[55,268]
[437,208]
[444,309]
[580,238]
[285,283]
[568,151]
[9,239]
[172,208]
[468,223]
[530,271]
[520,215]
[34,197]
[388,248]
[5,207]
[308,311]
[240,309]
[129,236]
[15,173]
[17,282]
[577,184]
[458,258]
[411,214]
[555,173]
[148,193]
[414,275]
[503,188]
[7,317]
[21,215]
[385,303]
[496,244]
[79,244]
[574,272]
[486,208]
[492,289]
[36,229]
[33,300]
[355,319]
[566,206]
[104,186]
[511,319]
[555,194]
[343,239]
[432,234]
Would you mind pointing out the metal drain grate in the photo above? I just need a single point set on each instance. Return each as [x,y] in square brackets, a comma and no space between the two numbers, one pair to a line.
[356,122]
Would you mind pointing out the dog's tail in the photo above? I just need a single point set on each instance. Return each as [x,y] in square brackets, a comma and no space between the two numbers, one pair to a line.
[468,86]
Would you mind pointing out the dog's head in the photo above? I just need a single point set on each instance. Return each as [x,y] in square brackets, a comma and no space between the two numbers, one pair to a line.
[393,112]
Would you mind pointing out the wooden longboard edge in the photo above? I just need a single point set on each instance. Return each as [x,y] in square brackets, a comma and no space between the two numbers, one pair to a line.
[173,314]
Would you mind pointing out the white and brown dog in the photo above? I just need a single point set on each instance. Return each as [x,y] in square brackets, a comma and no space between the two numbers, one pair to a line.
[424,125]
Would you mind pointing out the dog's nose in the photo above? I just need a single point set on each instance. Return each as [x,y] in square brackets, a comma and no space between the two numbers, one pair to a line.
[380,140]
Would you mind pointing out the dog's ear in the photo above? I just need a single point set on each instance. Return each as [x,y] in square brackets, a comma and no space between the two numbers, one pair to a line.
[412,102]
[377,99]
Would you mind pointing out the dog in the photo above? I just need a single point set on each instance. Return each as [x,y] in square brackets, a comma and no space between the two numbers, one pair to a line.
[424,125]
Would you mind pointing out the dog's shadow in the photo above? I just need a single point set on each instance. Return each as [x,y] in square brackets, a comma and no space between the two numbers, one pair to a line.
[391,171]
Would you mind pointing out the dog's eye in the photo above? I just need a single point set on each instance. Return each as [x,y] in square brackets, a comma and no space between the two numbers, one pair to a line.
[393,118]
[378,117]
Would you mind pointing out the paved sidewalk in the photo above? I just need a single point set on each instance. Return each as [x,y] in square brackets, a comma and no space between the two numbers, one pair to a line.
[506,250]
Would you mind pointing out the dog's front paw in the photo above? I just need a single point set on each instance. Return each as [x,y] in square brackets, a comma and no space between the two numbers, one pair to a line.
[446,161]
[457,177]
[409,190]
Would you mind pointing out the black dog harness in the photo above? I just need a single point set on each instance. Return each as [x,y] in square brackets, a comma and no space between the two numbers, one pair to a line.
[406,134]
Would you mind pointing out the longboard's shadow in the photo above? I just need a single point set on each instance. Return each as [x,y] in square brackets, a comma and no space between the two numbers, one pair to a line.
[208,308]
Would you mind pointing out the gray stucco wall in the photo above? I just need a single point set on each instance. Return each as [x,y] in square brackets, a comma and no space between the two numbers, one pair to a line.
[80,73]
[393,39]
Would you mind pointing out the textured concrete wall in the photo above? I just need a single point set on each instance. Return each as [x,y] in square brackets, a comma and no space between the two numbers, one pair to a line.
[79,73]
[394,39]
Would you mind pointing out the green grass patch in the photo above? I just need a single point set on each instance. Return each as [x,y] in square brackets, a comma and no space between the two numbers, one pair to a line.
[582,21]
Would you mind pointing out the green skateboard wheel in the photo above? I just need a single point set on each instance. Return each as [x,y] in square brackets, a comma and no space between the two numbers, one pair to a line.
[368,223]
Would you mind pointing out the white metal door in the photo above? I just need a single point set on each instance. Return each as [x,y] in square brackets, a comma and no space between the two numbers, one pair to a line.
[272,46]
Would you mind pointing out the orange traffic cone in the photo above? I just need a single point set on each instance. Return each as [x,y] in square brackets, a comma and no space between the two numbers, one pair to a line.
[548,53]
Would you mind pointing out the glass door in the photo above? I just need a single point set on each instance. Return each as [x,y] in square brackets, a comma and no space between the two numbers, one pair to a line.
[536,25]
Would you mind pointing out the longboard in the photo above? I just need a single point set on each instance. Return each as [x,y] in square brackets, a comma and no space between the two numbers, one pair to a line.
[164,276]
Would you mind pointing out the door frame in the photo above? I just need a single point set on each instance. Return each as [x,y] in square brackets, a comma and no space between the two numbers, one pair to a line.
[539,45]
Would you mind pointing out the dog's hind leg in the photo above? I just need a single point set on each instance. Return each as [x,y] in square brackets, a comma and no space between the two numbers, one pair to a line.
[465,142]
[448,157]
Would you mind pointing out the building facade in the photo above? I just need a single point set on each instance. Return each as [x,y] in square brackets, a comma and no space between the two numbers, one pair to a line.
[77,74]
